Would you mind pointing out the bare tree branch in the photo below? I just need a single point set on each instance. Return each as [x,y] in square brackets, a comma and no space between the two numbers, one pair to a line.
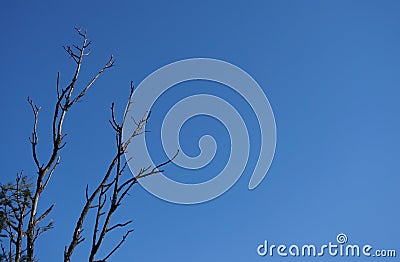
[112,183]
[117,246]
[65,100]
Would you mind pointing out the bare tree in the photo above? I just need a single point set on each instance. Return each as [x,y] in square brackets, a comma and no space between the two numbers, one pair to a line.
[20,222]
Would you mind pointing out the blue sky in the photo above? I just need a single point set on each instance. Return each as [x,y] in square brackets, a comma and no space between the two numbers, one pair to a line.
[330,70]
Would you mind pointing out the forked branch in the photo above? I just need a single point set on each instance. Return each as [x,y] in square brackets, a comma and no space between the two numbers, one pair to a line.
[113,184]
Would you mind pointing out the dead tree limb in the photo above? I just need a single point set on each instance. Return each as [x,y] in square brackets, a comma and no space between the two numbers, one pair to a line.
[113,184]
[65,100]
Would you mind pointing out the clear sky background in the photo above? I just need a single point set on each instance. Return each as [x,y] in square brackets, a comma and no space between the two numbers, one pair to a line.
[330,70]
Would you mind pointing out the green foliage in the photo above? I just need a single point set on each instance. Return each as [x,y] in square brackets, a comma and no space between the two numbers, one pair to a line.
[15,203]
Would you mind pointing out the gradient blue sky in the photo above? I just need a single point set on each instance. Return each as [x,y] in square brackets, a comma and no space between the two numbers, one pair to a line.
[329,68]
